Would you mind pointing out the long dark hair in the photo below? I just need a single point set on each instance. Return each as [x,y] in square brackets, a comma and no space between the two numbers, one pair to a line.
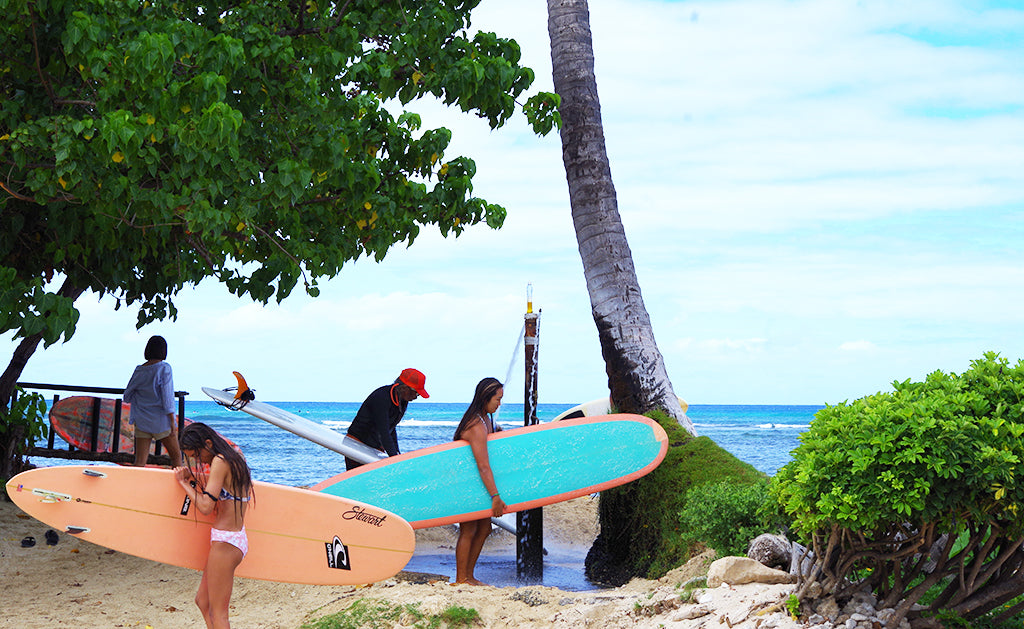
[485,390]
[194,437]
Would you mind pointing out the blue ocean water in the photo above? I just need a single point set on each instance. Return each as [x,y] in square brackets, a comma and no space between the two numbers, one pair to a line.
[762,435]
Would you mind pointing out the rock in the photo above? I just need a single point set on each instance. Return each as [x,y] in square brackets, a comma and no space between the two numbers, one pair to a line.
[814,591]
[828,608]
[740,570]
[935,553]
[774,551]
[801,560]
[529,597]
[691,612]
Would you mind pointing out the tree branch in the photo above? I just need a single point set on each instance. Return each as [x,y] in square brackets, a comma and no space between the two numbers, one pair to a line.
[274,241]
[84,103]
[39,67]
[16,195]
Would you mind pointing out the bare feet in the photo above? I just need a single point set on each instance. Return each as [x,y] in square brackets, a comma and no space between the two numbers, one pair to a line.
[469,581]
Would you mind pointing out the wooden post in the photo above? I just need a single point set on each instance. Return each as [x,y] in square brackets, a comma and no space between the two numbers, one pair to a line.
[530,524]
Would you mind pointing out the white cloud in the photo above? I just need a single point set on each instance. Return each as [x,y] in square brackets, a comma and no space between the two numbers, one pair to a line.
[857,346]
[752,345]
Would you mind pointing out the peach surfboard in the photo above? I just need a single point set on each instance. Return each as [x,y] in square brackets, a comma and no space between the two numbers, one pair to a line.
[295,535]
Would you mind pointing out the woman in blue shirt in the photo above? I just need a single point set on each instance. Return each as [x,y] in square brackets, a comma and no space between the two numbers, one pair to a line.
[151,395]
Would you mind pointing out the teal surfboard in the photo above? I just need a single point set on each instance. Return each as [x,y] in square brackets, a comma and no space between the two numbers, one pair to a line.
[533,466]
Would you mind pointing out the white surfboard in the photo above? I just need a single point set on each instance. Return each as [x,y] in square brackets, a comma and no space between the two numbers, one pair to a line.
[317,433]
[600,406]
[324,436]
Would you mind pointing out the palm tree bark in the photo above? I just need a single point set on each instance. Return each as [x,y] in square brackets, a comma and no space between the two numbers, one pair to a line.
[637,377]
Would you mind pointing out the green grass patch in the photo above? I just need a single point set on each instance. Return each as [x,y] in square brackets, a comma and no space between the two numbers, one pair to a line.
[378,614]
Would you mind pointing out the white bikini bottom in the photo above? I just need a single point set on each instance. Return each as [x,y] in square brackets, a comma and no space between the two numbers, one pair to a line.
[238,539]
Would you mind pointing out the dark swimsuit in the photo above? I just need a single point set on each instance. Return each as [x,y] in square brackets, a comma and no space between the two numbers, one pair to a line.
[226,495]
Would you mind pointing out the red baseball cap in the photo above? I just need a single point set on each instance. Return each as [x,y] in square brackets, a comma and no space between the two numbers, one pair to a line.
[414,379]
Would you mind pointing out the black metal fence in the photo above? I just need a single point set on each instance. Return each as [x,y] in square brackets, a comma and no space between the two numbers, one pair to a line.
[71,452]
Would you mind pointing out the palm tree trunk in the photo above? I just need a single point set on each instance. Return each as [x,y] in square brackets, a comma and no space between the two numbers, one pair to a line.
[637,377]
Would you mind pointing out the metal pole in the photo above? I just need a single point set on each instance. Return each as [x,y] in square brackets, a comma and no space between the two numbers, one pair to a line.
[530,524]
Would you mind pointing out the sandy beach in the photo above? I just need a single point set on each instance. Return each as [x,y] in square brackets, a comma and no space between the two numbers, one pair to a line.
[78,584]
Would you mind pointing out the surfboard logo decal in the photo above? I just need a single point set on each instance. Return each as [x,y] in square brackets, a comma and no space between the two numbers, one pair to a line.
[337,555]
[360,515]
[46,495]
[186,505]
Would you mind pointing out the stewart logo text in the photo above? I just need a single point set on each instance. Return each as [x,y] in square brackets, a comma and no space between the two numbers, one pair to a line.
[337,555]
[358,513]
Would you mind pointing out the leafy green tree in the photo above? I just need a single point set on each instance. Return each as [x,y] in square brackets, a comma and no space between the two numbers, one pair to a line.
[918,491]
[21,424]
[145,146]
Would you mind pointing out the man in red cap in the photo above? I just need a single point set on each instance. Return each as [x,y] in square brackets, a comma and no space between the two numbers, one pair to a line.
[377,419]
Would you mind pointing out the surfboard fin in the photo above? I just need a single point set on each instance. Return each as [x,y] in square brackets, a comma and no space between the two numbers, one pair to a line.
[242,387]
[243,394]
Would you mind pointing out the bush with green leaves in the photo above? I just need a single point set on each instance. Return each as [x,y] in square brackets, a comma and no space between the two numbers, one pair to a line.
[727,515]
[641,534]
[918,491]
[21,424]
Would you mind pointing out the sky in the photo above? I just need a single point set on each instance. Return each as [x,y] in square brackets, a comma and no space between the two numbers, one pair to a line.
[822,197]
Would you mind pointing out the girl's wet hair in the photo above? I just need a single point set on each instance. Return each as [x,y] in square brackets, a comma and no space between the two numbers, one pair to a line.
[485,390]
[156,348]
[194,436]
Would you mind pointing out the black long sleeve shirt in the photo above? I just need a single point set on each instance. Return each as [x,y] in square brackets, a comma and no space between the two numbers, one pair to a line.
[376,421]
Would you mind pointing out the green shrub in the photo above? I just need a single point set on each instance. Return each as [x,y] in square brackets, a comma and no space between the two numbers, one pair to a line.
[20,426]
[725,515]
[640,527]
[876,481]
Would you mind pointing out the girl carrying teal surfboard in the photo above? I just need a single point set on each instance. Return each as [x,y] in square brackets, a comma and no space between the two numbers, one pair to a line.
[476,424]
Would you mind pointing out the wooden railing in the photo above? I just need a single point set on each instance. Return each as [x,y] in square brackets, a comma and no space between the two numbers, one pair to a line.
[113,456]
